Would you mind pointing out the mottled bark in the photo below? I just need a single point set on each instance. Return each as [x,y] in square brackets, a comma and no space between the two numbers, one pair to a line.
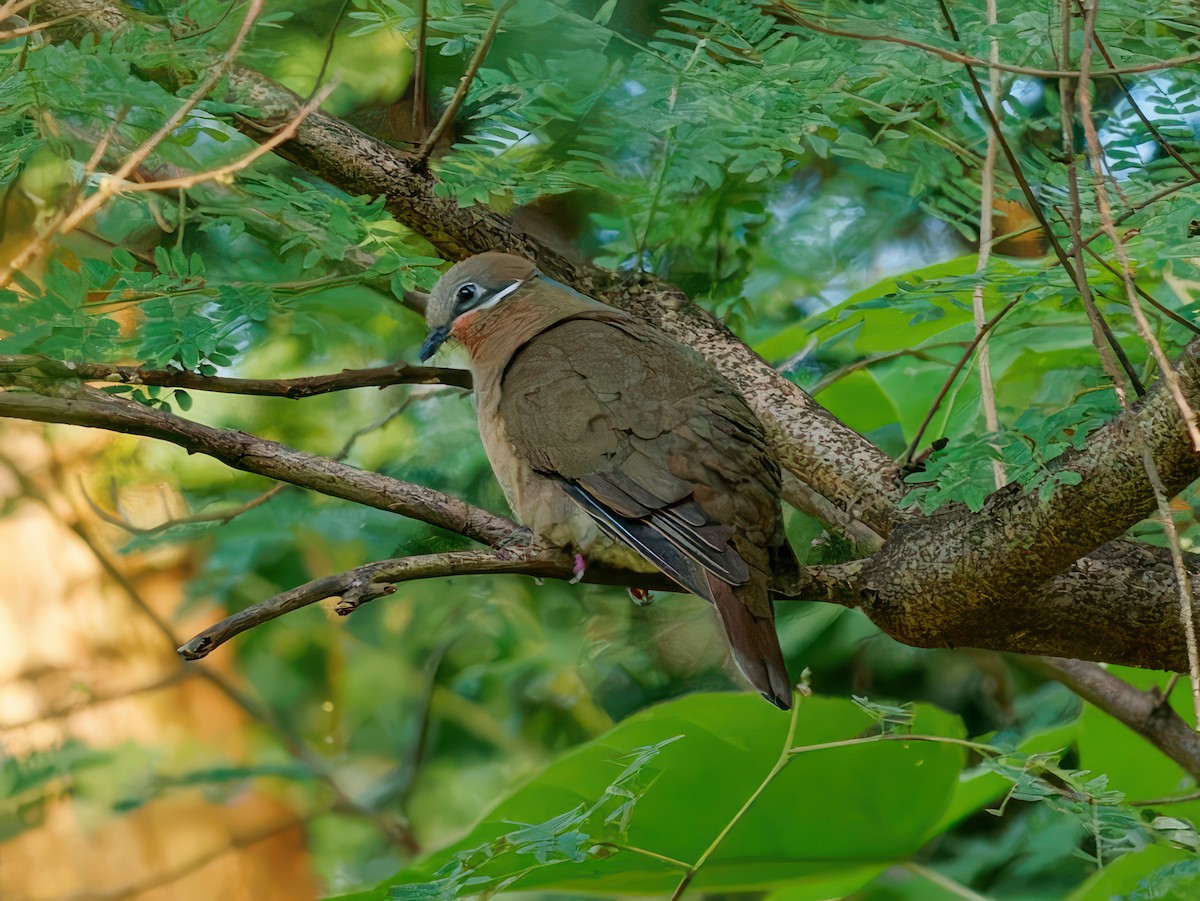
[982,570]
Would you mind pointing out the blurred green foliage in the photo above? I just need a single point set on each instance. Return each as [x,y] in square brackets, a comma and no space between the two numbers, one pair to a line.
[822,195]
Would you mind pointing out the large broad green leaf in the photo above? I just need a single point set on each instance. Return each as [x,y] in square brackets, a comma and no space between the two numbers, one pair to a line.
[835,882]
[1156,873]
[832,815]
[888,315]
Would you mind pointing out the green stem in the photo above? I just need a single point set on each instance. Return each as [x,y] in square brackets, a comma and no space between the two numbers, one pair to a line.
[784,756]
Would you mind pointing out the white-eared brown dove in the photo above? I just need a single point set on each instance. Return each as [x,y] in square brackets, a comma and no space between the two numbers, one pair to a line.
[614,441]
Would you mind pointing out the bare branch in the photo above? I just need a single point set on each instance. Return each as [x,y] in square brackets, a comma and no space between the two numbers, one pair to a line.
[248,453]
[374,580]
[1076,272]
[987,202]
[401,373]
[420,52]
[1145,712]
[981,333]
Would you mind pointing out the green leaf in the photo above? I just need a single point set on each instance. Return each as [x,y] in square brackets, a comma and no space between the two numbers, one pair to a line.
[830,813]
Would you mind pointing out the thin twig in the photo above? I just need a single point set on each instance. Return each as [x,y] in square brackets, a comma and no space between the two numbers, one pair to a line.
[106,139]
[1141,711]
[138,156]
[328,52]
[980,334]
[221,517]
[1183,579]
[1144,294]
[419,60]
[95,698]
[1075,223]
[15,6]
[239,450]
[1173,799]
[460,93]
[23,30]
[286,133]
[1162,142]
[785,757]
[160,879]
[110,184]
[942,881]
[854,366]
[987,397]
[975,61]
[1077,277]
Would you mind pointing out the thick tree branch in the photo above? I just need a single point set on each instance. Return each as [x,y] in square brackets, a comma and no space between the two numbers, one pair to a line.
[87,407]
[33,366]
[839,466]
[1119,604]
[944,581]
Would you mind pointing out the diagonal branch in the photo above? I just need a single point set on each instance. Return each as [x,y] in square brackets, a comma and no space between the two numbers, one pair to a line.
[375,580]
[460,93]
[968,566]
[1073,268]
[1145,712]
[239,450]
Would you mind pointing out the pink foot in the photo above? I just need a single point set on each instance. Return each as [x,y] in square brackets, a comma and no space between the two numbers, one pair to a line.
[577,569]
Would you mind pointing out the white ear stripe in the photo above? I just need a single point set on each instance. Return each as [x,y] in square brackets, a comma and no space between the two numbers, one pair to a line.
[500,295]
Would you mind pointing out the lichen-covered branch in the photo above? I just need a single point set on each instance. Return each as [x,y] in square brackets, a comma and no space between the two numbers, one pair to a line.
[980,571]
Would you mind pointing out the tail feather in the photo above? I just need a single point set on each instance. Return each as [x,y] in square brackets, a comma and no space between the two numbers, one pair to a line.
[754,644]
